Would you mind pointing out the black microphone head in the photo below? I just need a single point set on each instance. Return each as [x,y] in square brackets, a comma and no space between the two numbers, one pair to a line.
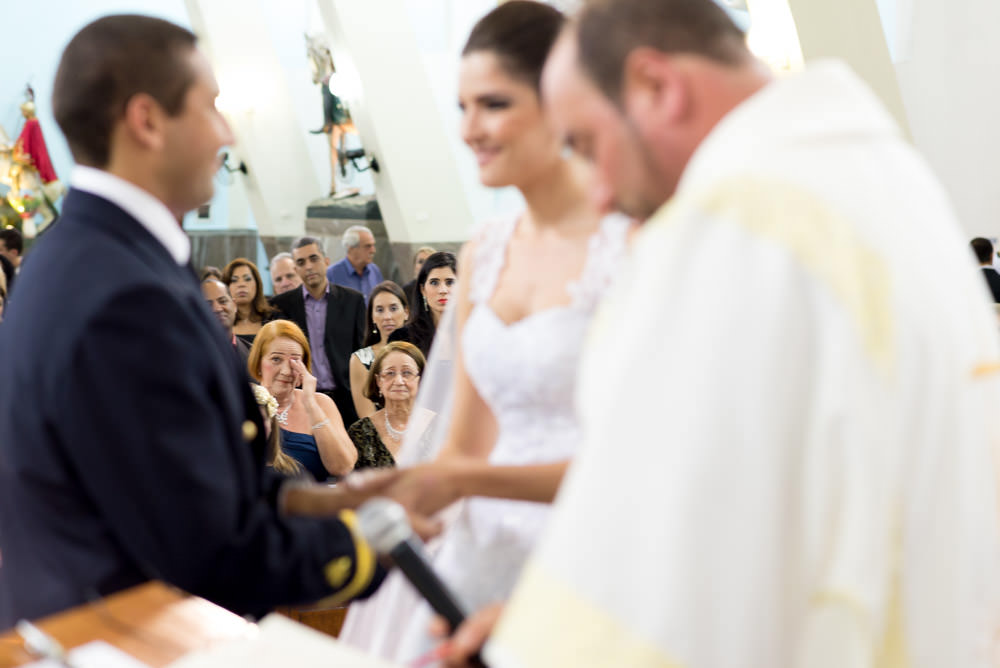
[383,523]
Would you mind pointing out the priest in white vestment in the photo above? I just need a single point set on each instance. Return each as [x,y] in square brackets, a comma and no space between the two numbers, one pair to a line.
[795,464]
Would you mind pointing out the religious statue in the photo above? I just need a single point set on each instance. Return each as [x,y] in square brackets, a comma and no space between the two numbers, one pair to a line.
[336,117]
[27,169]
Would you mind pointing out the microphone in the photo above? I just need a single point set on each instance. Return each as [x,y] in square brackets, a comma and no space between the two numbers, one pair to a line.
[384,525]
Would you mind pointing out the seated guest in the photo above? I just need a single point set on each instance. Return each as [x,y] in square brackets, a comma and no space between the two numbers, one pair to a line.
[209,271]
[275,456]
[412,293]
[387,312]
[224,310]
[332,316]
[393,381]
[283,275]
[8,271]
[11,254]
[436,281]
[312,430]
[252,309]
[357,270]
[983,248]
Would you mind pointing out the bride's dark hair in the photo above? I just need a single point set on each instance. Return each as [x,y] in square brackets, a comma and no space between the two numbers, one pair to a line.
[520,33]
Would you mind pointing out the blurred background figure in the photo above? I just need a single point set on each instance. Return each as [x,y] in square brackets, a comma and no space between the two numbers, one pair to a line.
[411,290]
[392,383]
[224,309]
[983,248]
[275,456]
[357,270]
[283,276]
[209,271]
[331,315]
[252,309]
[387,312]
[435,283]
[336,116]
[312,431]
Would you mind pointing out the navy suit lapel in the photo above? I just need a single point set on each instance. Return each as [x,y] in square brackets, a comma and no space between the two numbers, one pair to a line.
[332,308]
[105,217]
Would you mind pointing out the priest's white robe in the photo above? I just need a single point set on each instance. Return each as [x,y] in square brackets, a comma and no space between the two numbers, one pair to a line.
[794,466]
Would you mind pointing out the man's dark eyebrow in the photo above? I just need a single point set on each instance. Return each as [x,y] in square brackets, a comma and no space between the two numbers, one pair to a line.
[486,98]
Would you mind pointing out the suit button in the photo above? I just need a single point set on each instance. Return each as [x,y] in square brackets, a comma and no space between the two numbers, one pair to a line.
[249,431]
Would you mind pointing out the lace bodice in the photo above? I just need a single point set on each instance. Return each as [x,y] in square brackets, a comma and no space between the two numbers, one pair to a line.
[526,371]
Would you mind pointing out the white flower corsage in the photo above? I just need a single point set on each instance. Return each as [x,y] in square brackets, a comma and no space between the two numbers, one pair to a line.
[264,398]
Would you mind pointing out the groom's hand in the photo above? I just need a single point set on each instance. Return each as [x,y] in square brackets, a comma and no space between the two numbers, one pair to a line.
[424,489]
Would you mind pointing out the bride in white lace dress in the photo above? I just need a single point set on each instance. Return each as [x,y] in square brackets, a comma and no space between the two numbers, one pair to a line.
[528,286]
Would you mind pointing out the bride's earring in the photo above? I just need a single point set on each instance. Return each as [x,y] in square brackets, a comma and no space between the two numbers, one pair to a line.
[425,303]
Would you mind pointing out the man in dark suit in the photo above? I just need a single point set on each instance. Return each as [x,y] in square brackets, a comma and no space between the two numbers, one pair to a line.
[332,316]
[125,452]
[983,248]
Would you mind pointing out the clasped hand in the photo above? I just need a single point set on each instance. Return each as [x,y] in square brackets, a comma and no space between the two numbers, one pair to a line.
[424,490]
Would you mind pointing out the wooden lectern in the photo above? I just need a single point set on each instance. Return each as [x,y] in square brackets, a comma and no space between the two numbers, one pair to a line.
[153,622]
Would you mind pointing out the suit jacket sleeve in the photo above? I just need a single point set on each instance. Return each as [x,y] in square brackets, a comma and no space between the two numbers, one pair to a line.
[283,304]
[360,322]
[178,487]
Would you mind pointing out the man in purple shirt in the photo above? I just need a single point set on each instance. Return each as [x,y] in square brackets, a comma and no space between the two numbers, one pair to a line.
[356,270]
[333,319]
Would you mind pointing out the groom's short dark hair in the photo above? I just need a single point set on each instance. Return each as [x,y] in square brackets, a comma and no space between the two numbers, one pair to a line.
[104,65]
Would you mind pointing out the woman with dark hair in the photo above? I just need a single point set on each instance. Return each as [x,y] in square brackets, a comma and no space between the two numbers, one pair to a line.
[387,312]
[435,284]
[424,252]
[252,309]
[208,271]
[529,286]
[392,382]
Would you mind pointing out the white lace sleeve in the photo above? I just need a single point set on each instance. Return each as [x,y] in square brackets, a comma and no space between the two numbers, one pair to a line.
[490,252]
[604,258]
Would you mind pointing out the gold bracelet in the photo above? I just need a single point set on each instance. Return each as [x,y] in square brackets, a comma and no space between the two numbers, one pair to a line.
[320,424]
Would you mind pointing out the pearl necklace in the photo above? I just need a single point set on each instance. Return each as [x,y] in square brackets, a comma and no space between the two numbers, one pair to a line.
[393,433]
[282,416]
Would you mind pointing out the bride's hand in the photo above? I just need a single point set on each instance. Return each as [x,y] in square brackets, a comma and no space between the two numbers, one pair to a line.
[424,489]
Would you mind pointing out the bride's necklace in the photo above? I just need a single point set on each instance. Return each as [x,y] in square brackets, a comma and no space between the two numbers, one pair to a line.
[282,416]
[394,434]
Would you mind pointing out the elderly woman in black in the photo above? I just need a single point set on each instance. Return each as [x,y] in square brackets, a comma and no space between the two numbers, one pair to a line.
[387,312]
[393,381]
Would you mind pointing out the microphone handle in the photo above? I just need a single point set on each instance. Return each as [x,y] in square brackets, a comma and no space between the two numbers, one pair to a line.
[409,558]
[422,576]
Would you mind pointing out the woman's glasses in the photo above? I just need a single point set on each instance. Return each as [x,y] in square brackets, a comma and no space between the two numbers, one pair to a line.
[389,375]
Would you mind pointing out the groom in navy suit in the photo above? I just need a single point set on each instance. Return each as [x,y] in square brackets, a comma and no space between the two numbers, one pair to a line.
[125,449]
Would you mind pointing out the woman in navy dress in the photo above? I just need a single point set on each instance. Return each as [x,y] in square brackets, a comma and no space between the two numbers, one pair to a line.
[312,430]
